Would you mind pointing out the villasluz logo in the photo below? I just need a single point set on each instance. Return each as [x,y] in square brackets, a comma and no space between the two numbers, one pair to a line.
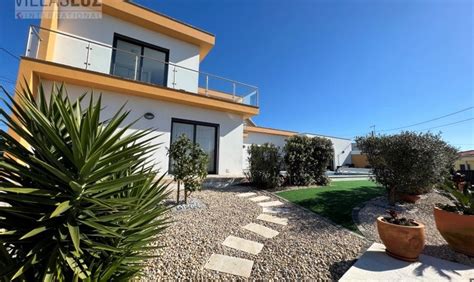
[63,9]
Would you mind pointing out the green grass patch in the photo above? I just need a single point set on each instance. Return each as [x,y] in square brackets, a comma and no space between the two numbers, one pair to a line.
[337,200]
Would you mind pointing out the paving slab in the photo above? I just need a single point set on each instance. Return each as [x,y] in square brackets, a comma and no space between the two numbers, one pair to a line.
[274,210]
[273,219]
[232,265]
[376,265]
[261,230]
[241,244]
[270,204]
[245,195]
[259,198]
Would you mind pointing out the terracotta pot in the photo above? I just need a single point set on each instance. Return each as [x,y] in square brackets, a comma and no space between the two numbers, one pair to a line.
[409,198]
[402,242]
[456,229]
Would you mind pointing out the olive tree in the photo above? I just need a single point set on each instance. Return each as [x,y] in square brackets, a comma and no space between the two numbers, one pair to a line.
[408,162]
[188,165]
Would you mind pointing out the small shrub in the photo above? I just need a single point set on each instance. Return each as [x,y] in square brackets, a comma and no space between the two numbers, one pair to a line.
[408,162]
[306,159]
[189,165]
[463,200]
[395,219]
[264,165]
[82,199]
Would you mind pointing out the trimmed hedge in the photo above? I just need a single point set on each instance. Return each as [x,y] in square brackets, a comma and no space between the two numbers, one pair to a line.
[264,165]
[306,159]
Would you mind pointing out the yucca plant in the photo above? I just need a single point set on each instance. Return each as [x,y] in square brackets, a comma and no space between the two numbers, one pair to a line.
[80,201]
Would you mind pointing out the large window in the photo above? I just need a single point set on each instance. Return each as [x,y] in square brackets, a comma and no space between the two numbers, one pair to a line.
[137,60]
[202,133]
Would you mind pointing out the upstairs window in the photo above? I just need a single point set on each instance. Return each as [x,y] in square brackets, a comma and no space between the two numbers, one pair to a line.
[133,59]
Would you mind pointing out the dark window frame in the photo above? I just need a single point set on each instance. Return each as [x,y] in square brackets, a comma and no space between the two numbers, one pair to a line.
[195,124]
[142,44]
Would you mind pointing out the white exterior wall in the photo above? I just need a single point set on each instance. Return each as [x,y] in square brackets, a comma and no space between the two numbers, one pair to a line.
[342,149]
[230,125]
[260,139]
[73,52]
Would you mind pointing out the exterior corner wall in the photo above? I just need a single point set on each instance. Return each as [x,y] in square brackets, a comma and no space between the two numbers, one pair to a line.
[49,20]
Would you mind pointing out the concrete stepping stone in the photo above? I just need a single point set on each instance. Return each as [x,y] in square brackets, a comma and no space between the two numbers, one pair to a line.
[240,244]
[273,219]
[232,265]
[245,195]
[274,210]
[259,198]
[270,204]
[261,230]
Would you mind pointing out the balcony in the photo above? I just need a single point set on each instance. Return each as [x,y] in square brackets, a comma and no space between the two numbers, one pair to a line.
[147,67]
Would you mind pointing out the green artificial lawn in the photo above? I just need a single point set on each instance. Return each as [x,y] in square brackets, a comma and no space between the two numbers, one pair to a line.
[337,200]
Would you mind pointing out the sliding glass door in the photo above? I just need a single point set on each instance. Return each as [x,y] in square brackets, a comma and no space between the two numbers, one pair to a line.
[133,59]
[201,133]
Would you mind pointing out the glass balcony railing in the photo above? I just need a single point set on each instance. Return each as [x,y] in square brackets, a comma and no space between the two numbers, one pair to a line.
[127,63]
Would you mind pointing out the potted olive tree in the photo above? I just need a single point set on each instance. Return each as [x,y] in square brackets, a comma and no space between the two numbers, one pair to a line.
[408,164]
[403,238]
[456,222]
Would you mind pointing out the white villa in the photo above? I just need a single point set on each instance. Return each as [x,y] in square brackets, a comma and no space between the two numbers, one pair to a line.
[151,62]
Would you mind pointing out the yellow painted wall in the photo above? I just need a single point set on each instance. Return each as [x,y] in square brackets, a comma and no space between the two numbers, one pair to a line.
[49,21]
[466,161]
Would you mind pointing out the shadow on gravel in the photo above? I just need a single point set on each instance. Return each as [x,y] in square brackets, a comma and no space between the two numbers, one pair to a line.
[338,269]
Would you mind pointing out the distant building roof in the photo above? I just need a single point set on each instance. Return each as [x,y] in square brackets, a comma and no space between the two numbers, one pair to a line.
[469,153]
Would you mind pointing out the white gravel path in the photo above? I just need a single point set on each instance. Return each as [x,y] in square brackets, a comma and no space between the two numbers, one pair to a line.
[309,247]
[422,211]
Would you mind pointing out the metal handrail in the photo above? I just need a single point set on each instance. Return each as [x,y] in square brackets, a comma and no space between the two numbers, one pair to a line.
[34,27]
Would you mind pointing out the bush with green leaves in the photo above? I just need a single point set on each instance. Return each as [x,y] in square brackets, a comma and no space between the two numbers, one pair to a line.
[188,165]
[80,200]
[264,165]
[306,159]
[409,162]
[463,201]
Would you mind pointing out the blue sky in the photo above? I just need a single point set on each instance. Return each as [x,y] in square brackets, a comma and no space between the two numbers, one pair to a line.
[330,67]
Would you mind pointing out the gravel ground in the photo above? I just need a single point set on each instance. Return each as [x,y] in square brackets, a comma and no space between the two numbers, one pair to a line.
[423,212]
[309,247]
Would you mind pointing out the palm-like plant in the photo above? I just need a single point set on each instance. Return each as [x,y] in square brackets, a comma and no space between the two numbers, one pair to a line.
[80,201]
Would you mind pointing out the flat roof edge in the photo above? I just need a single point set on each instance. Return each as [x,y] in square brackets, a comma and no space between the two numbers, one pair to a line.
[168,17]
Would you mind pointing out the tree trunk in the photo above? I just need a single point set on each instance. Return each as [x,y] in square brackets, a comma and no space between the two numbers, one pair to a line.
[177,194]
[185,196]
[392,195]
